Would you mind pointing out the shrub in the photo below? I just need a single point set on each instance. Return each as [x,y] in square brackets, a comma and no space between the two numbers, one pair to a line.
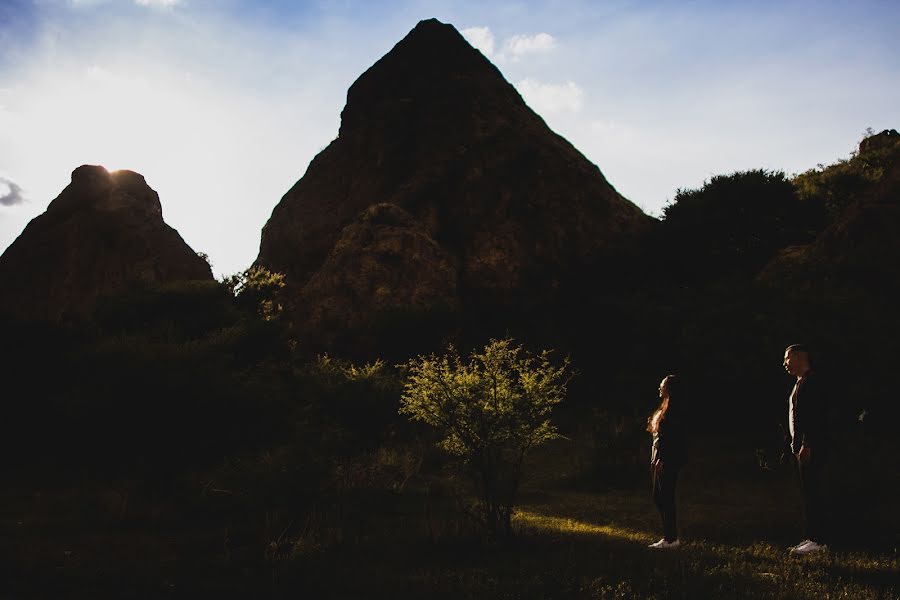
[490,411]
[258,289]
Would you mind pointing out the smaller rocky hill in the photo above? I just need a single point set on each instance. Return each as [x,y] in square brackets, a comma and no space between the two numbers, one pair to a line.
[102,233]
[860,249]
[384,270]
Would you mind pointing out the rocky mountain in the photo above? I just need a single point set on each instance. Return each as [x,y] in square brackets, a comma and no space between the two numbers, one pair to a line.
[443,190]
[384,262]
[103,232]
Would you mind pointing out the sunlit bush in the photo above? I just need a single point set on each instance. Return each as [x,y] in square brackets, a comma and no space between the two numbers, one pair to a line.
[491,411]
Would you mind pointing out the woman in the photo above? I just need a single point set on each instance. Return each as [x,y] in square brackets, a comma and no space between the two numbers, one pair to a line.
[668,456]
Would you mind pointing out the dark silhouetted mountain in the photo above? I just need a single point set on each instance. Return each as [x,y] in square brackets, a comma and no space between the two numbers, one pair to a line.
[493,202]
[102,233]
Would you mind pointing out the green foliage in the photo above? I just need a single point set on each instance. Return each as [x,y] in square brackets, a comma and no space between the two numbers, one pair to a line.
[357,404]
[181,310]
[164,377]
[490,411]
[839,185]
[205,258]
[500,398]
[259,289]
[335,370]
[735,224]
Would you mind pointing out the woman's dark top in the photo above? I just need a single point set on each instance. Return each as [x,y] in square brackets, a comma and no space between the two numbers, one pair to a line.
[670,442]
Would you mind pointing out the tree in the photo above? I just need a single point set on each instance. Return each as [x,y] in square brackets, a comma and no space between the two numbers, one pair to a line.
[490,411]
[259,289]
[735,224]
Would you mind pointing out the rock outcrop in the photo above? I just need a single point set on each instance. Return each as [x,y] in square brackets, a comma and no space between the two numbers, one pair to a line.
[491,199]
[384,267]
[880,141]
[104,231]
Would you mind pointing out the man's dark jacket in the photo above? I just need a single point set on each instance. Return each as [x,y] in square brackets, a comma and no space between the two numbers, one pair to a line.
[811,416]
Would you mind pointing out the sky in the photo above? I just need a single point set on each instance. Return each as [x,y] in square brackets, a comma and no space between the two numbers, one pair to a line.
[221,104]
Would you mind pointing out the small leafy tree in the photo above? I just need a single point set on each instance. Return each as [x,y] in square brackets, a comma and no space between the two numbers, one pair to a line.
[490,412]
[260,289]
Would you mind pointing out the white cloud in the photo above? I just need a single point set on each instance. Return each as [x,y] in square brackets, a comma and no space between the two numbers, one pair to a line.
[548,98]
[162,3]
[157,3]
[480,38]
[519,45]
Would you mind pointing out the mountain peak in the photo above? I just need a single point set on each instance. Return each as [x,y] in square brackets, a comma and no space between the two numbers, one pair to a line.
[103,232]
[432,65]
[434,129]
[433,34]
[431,25]
[95,187]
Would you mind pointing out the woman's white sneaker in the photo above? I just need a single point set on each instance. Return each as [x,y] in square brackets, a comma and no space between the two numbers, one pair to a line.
[808,548]
[664,545]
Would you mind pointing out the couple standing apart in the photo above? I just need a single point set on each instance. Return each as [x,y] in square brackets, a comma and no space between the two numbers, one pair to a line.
[806,438]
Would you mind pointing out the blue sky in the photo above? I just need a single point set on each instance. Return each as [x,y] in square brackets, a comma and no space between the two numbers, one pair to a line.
[221,104]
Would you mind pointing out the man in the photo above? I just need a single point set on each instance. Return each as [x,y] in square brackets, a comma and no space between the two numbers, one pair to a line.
[807,417]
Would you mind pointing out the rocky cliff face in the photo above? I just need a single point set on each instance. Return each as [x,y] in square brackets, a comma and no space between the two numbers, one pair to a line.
[103,232]
[492,200]
[885,140]
[384,265]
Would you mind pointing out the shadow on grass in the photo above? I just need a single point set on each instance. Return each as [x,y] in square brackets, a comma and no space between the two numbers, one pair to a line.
[699,568]
[570,544]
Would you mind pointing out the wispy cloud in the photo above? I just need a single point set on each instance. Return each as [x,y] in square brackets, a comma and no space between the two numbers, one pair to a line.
[518,46]
[10,193]
[161,3]
[480,38]
[155,3]
[514,47]
[551,98]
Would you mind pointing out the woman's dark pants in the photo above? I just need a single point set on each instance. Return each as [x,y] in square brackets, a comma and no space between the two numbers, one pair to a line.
[664,497]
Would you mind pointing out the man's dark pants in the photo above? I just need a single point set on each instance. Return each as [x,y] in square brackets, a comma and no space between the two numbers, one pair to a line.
[812,494]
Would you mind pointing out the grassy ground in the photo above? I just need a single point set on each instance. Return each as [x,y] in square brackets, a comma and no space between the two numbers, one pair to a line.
[579,536]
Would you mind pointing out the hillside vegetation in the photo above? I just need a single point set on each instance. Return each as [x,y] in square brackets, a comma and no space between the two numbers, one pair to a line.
[183,439]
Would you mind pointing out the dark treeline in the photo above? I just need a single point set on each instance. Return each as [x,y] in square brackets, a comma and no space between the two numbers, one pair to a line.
[183,374]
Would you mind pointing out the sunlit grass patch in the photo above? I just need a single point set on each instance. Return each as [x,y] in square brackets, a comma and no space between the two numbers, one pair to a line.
[547,523]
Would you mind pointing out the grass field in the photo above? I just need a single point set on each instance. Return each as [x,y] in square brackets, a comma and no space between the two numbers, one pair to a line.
[580,535]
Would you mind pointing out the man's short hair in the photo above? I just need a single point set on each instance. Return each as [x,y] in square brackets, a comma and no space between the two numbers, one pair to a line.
[800,348]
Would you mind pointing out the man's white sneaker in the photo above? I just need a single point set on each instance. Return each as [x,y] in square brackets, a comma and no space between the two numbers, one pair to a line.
[809,548]
[664,545]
